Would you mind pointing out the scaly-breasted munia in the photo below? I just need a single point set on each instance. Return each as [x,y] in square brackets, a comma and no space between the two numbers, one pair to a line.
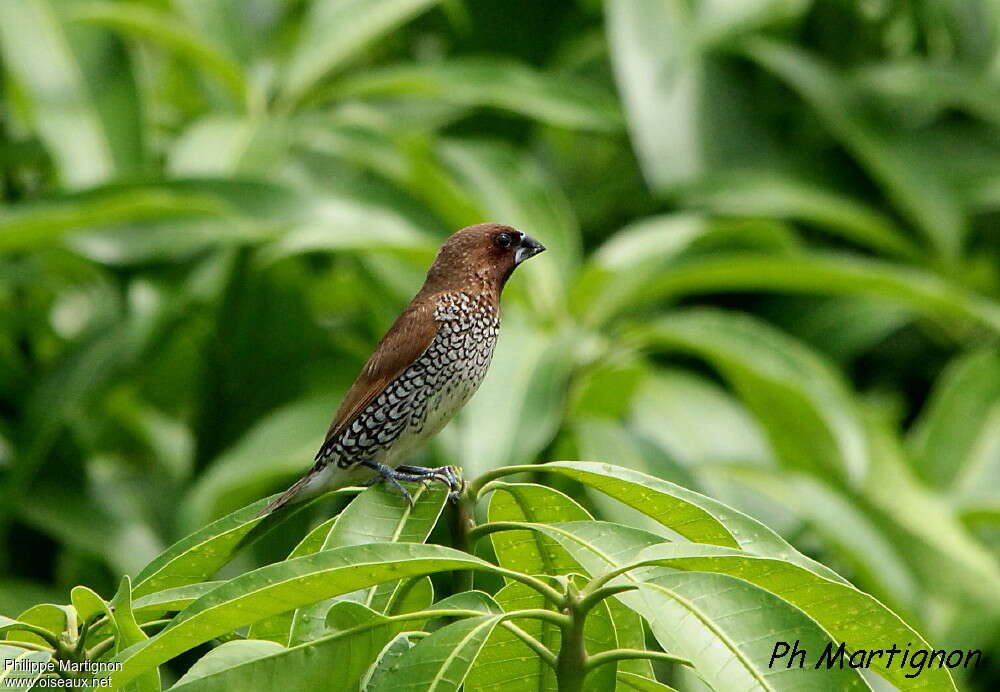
[429,363]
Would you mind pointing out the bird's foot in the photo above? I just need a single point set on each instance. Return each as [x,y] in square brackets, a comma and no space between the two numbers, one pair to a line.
[448,475]
[417,474]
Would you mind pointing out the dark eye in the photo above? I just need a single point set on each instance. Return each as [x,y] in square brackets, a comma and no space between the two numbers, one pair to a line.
[504,240]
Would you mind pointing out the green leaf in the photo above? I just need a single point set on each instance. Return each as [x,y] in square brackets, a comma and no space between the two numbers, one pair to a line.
[525,551]
[952,439]
[766,194]
[174,35]
[41,224]
[603,548]
[26,663]
[389,658]
[869,627]
[640,683]
[225,656]
[54,619]
[88,604]
[128,633]
[335,30]
[176,598]
[378,515]
[729,628]
[693,516]
[38,633]
[824,274]
[440,662]
[659,75]
[939,548]
[407,596]
[37,53]
[906,178]
[344,656]
[276,588]
[276,449]
[277,628]
[199,555]
[559,100]
[801,402]
[506,663]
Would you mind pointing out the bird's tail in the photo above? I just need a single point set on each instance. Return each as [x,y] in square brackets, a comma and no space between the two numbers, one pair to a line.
[296,492]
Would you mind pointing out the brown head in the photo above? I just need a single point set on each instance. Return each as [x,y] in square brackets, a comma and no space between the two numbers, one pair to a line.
[480,258]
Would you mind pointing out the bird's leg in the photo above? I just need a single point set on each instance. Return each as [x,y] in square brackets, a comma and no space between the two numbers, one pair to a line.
[417,474]
[389,475]
[445,474]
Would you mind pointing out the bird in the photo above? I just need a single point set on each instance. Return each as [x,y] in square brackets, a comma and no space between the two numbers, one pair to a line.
[424,369]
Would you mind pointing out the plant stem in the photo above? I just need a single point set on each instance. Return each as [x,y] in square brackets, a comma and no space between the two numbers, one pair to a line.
[571,665]
[627,654]
[463,520]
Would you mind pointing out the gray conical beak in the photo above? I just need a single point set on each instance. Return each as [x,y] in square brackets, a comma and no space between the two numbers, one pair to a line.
[528,248]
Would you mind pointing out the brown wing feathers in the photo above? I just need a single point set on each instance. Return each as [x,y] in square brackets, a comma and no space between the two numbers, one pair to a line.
[406,340]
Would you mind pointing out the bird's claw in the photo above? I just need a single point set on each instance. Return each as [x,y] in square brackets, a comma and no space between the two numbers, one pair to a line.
[448,475]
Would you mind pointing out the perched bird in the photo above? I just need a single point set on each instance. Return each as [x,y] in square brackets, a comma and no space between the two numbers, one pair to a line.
[429,363]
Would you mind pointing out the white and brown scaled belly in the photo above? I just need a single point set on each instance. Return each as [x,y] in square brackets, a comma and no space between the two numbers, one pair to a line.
[417,404]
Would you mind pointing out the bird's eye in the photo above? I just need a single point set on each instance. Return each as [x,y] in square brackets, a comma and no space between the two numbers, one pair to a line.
[504,240]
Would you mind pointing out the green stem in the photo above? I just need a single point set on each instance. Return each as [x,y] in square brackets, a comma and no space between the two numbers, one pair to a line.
[543,651]
[571,664]
[463,522]
[476,486]
[628,654]
[41,632]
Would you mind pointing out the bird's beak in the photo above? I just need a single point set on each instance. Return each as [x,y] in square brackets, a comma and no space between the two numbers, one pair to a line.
[528,248]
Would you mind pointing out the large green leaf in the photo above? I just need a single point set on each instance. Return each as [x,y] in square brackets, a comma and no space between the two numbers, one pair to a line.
[273,451]
[728,629]
[38,54]
[939,547]
[160,27]
[334,30]
[659,74]
[253,666]
[555,99]
[378,515]
[824,274]
[601,548]
[906,177]
[440,662]
[767,194]
[507,663]
[227,655]
[955,434]
[199,555]
[690,514]
[529,552]
[800,401]
[276,588]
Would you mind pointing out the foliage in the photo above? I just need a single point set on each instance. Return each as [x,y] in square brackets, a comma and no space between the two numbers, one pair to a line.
[353,601]
[773,277]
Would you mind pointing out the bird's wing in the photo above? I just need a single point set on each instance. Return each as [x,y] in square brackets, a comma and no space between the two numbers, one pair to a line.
[405,341]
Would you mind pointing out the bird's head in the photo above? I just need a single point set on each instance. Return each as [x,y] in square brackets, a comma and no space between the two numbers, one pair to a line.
[480,257]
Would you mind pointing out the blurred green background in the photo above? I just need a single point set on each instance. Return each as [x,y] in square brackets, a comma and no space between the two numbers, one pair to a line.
[773,271]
